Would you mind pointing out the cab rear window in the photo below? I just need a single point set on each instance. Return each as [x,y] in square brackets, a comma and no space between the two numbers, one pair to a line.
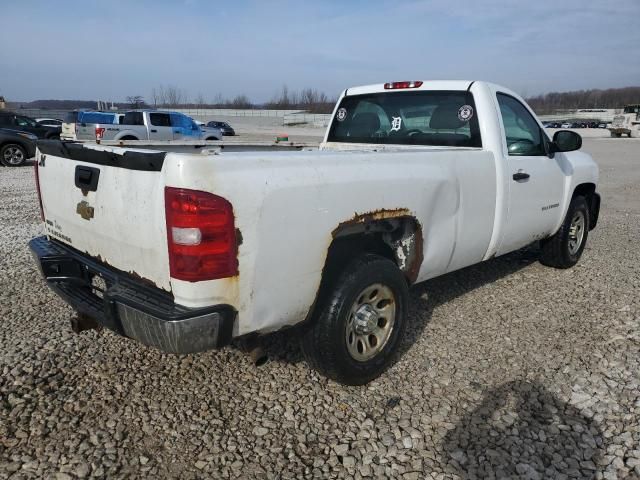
[71,117]
[96,117]
[435,118]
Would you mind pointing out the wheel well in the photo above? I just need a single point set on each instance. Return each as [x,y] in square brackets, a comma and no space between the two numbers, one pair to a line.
[588,191]
[584,189]
[128,137]
[212,139]
[398,238]
[12,142]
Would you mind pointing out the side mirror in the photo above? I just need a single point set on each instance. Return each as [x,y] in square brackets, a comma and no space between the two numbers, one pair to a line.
[566,141]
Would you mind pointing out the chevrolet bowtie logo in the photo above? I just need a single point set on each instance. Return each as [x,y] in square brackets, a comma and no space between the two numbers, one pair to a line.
[84,210]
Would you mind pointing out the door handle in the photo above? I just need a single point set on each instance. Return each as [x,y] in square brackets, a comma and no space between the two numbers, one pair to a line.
[86,178]
[154,131]
[520,176]
[176,131]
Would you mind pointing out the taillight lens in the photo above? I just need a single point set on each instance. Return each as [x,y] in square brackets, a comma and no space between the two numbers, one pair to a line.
[398,85]
[37,177]
[99,133]
[201,235]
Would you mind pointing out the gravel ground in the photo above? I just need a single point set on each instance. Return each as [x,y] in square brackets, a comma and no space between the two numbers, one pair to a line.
[510,370]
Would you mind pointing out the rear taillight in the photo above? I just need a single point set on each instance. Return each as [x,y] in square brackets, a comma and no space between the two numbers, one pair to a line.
[99,133]
[201,235]
[398,85]
[37,177]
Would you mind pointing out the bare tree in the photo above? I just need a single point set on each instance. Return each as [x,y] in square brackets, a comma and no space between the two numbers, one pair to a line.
[173,96]
[135,101]
[155,96]
[608,98]
[307,99]
[199,101]
[218,100]
[240,101]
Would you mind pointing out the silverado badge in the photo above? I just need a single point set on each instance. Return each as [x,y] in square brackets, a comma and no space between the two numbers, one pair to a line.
[84,210]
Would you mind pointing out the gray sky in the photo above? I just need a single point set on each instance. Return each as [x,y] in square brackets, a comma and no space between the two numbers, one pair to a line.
[86,49]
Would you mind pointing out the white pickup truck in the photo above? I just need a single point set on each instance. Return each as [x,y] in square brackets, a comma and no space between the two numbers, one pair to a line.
[148,125]
[185,252]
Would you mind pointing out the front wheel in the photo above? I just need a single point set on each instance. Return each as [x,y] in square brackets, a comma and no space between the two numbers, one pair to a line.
[564,249]
[13,155]
[359,322]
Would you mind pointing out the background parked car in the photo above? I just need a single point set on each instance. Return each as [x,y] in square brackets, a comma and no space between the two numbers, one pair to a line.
[566,125]
[16,147]
[224,127]
[14,121]
[50,122]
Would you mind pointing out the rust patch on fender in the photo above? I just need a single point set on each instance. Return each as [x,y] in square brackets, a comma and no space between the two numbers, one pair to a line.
[379,214]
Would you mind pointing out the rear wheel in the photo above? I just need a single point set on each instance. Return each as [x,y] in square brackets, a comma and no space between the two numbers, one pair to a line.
[564,249]
[359,322]
[13,155]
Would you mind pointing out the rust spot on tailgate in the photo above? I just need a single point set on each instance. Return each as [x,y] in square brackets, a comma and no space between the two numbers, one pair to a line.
[363,218]
[131,273]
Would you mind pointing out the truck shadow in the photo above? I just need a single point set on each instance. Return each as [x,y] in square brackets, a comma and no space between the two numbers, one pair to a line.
[283,346]
[521,430]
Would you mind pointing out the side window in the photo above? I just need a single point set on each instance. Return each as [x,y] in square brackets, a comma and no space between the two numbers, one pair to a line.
[524,136]
[24,122]
[159,119]
[5,120]
[132,118]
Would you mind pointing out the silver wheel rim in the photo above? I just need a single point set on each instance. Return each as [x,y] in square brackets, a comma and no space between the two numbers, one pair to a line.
[576,232]
[13,156]
[370,322]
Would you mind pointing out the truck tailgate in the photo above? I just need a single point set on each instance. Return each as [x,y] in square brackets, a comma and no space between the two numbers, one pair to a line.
[108,203]
[86,131]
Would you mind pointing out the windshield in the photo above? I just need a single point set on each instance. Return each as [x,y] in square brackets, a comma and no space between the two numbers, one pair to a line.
[438,118]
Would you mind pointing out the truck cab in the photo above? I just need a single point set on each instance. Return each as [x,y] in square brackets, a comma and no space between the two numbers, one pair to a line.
[627,123]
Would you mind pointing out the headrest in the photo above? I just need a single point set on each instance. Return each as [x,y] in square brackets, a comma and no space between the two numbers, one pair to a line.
[364,124]
[445,117]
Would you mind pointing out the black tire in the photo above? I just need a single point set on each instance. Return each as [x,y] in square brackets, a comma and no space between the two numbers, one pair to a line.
[558,251]
[211,139]
[129,137]
[13,155]
[324,341]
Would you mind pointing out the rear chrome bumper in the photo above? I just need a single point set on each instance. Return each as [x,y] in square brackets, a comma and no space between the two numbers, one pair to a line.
[130,306]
